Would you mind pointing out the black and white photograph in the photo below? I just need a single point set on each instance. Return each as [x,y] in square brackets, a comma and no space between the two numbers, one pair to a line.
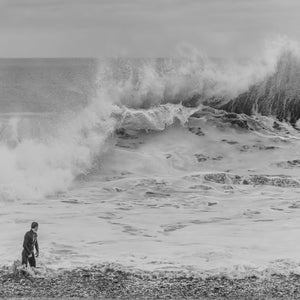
[149,149]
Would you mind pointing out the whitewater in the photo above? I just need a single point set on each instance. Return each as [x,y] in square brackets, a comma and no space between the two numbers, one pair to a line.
[186,163]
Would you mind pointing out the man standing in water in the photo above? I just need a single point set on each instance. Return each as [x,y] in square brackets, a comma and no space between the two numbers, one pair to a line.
[30,241]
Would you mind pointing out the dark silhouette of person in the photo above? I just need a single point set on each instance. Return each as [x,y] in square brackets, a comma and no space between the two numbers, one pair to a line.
[30,242]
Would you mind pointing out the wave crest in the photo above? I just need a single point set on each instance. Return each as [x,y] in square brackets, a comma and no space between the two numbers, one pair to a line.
[278,93]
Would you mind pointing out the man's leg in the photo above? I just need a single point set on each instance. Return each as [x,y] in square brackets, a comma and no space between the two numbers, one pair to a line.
[32,261]
[24,258]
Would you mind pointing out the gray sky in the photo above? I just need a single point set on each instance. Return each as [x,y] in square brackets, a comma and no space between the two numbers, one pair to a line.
[100,28]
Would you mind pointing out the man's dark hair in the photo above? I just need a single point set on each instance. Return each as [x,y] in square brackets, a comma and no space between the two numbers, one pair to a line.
[34,224]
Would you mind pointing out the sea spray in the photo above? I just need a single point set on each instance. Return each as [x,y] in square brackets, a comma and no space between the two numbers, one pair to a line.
[144,83]
[35,168]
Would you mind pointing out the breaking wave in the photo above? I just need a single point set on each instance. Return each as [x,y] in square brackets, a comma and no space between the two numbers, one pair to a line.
[42,156]
[192,78]
[277,94]
[44,161]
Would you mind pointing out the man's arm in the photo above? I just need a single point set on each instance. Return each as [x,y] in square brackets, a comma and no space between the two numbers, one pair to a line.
[25,243]
[37,247]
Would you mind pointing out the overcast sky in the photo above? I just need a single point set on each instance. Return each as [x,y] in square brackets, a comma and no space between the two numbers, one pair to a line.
[101,28]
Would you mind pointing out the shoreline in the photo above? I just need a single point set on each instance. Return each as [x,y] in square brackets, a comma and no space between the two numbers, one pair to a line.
[116,282]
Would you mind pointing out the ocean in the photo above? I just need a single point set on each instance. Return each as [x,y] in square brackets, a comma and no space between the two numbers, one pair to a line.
[159,164]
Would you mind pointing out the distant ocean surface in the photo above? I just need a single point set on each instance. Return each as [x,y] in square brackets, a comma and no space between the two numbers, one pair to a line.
[45,85]
[160,164]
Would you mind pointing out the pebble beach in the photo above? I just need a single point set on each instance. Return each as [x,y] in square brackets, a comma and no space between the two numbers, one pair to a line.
[115,282]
